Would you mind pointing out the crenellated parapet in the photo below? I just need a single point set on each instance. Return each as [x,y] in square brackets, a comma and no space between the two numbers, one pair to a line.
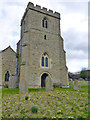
[42,10]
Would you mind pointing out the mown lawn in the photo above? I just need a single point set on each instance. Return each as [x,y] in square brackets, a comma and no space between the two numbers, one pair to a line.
[59,103]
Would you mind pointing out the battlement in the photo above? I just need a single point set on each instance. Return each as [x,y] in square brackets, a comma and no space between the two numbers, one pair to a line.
[42,10]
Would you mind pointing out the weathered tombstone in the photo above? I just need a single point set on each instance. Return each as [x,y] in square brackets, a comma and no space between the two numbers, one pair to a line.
[13,81]
[49,84]
[76,86]
[60,85]
[23,85]
[81,79]
[71,83]
[57,85]
[70,79]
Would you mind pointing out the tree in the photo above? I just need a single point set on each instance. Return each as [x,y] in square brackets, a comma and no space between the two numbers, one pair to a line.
[84,73]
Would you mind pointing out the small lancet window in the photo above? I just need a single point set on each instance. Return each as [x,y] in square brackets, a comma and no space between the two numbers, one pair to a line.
[44,22]
[44,37]
[44,60]
[7,76]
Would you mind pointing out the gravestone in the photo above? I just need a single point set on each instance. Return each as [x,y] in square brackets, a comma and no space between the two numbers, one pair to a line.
[71,83]
[57,85]
[49,84]
[70,79]
[76,86]
[13,82]
[81,79]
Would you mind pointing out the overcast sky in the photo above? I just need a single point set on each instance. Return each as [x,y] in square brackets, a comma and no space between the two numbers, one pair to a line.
[74,27]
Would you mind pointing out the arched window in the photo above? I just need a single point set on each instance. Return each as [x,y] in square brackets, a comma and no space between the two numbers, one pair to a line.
[44,22]
[44,60]
[7,76]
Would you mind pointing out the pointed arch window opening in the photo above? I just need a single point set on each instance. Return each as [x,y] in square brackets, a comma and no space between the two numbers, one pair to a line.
[7,75]
[45,60]
[45,23]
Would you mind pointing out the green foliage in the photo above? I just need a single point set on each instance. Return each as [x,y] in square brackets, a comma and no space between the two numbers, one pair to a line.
[81,105]
[48,112]
[44,117]
[23,115]
[34,109]
[26,97]
[59,118]
[84,73]
[59,112]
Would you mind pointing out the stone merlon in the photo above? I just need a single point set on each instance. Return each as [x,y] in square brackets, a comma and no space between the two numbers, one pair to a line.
[42,10]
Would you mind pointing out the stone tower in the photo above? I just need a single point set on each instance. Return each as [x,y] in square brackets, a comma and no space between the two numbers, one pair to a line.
[40,49]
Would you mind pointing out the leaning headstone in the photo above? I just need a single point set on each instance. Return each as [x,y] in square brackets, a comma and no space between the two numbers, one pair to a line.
[49,84]
[76,86]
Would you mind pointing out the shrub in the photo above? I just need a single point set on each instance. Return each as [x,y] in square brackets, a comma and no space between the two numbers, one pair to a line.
[34,109]
[81,105]
[26,97]
[44,117]
[59,112]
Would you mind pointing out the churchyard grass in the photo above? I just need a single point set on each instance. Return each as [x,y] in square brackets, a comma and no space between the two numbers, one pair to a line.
[59,103]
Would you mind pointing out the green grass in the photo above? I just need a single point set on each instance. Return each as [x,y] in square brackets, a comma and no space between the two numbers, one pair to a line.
[9,91]
[82,83]
[59,103]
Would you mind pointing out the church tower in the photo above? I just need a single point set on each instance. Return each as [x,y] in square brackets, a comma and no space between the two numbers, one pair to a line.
[40,49]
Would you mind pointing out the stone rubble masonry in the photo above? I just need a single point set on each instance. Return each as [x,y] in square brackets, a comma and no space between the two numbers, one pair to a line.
[33,45]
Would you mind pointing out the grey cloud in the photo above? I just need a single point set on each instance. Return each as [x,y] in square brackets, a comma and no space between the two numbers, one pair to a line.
[76,40]
[76,44]
[22,4]
[74,7]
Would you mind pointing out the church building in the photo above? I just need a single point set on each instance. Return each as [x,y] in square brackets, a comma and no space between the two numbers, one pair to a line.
[40,51]
[7,67]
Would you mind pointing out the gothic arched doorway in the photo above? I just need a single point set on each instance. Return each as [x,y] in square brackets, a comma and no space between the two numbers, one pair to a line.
[43,78]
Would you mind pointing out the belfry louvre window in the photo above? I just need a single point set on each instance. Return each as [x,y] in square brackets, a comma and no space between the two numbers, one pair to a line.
[44,60]
[44,22]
